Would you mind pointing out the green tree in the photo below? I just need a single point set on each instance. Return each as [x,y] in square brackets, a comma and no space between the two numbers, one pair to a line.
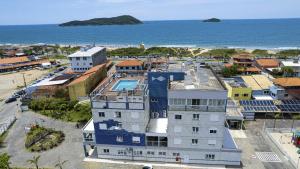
[287,71]
[35,161]
[4,161]
[230,71]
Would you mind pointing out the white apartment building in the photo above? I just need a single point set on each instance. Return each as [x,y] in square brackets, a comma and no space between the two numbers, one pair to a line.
[86,58]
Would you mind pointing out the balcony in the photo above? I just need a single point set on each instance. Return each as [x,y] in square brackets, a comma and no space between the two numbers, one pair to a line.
[197,108]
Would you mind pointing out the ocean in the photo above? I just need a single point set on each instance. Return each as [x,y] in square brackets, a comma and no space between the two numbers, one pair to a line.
[264,33]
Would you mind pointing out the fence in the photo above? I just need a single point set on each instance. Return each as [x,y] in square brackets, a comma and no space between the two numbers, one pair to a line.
[5,126]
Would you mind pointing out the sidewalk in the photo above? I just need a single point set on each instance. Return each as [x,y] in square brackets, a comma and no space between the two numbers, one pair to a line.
[155,164]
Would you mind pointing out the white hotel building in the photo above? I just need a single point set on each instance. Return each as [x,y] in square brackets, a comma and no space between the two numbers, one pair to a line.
[186,126]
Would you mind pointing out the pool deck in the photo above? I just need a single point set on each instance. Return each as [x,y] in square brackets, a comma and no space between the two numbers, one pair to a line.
[109,83]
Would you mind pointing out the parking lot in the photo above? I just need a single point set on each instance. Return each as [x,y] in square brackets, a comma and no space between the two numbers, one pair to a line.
[11,81]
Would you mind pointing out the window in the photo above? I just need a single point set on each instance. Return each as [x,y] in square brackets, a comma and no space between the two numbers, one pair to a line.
[177,116]
[213,131]
[246,95]
[136,140]
[194,141]
[196,116]
[78,58]
[176,154]
[117,114]
[122,152]
[84,58]
[132,67]
[91,64]
[195,129]
[177,101]
[209,156]
[162,153]
[119,139]
[150,152]
[217,102]
[266,92]
[127,67]
[137,153]
[154,100]
[236,95]
[106,151]
[197,101]
[101,114]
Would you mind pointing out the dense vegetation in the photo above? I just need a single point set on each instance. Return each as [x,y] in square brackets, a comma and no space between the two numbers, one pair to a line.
[119,20]
[287,53]
[283,72]
[162,51]
[4,161]
[212,20]
[260,52]
[230,71]
[42,139]
[220,52]
[62,109]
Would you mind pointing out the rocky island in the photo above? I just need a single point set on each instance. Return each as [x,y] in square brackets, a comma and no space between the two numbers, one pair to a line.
[119,20]
[212,20]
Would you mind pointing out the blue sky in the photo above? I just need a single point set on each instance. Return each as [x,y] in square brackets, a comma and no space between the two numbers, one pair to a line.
[18,12]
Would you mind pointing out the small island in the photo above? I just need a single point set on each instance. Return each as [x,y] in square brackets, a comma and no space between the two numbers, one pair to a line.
[212,20]
[119,20]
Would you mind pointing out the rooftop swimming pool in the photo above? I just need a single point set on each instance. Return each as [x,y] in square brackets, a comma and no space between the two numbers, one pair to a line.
[125,85]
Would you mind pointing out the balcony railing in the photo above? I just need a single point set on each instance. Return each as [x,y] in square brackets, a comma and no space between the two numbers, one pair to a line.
[157,143]
[197,108]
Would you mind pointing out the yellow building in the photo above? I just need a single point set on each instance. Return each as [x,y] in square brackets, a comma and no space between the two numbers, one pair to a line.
[83,85]
[238,91]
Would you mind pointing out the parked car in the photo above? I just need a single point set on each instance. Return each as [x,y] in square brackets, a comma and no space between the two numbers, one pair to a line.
[11,99]
[147,166]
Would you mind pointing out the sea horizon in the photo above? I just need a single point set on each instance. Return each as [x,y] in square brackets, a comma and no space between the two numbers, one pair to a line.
[270,34]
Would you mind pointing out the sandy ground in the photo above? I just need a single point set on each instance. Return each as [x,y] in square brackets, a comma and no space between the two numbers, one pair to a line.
[10,82]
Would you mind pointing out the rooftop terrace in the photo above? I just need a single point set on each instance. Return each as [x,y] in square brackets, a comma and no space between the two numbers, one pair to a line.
[196,77]
[116,86]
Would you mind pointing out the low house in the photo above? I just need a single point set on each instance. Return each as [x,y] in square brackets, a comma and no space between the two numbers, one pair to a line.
[52,87]
[130,67]
[291,86]
[266,63]
[84,84]
[260,84]
[16,63]
[237,90]
[243,60]
[294,64]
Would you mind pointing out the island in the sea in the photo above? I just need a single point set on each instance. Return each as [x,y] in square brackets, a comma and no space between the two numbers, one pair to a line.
[119,20]
[212,20]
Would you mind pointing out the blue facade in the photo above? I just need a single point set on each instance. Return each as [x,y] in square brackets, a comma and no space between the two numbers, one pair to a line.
[158,90]
[110,135]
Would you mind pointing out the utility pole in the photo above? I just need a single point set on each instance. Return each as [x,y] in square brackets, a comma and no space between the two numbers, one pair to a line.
[24,80]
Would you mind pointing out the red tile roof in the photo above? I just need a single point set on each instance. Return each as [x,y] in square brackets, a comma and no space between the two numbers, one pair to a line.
[130,63]
[288,82]
[14,60]
[267,63]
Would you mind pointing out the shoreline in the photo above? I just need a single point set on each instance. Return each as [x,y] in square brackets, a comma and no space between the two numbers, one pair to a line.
[192,46]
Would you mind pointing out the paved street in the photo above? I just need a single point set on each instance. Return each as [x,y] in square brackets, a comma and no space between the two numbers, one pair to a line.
[71,149]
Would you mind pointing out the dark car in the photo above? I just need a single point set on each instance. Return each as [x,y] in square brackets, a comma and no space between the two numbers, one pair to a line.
[11,99]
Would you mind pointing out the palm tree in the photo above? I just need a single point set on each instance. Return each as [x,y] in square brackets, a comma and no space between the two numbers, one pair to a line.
[60,164]
[34,161]
[296,117]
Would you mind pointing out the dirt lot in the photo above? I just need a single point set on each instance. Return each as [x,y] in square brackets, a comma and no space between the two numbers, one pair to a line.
[10,82]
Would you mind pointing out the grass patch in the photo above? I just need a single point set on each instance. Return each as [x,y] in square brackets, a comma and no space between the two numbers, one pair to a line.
[62,109]
[42,139]
[2,138]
